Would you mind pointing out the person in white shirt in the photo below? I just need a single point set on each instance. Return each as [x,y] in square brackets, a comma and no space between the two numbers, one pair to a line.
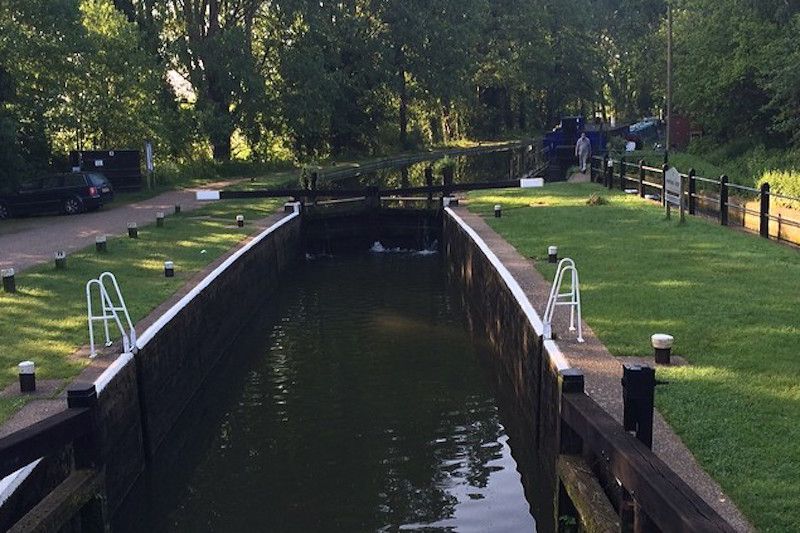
[583,151]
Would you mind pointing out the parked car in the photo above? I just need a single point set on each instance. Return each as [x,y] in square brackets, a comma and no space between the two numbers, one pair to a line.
[70,193]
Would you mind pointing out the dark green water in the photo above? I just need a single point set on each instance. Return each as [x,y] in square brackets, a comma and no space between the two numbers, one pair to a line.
[356,403]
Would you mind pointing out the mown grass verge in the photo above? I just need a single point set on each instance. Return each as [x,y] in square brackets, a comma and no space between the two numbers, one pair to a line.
[45,321]
[731,300]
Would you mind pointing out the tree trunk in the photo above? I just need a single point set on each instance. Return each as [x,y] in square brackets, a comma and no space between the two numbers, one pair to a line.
[401,75]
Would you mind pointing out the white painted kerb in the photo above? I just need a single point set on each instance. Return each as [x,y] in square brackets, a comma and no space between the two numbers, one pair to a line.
[150,332]
[533,317]
[207,195]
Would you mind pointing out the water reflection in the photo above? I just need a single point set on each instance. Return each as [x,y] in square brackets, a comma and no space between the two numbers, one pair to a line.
[362,408]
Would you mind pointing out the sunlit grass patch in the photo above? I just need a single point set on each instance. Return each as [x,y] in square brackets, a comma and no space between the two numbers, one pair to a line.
[731,300]
[45,321]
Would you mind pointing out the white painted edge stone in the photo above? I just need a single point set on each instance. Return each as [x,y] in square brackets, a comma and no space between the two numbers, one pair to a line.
[527,183]
[556,357]
[662,341]
[207,195]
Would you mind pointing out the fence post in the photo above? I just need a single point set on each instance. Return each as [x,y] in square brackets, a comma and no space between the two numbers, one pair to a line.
[692,191]
[88,454]
[723,200]
[429,182]
[664,170]
[638,396]
[764,229]
[570,381]
[603,170]
[641,178]
[622,173]
[608,172]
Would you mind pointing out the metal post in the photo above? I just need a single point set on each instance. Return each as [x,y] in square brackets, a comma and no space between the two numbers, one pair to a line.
[692,191]
[764,227]
[638,396]
[641,178]
[723,200]
[664,170]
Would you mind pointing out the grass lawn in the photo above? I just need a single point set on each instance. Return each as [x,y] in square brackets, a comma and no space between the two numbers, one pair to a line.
[45,321]
[731,300]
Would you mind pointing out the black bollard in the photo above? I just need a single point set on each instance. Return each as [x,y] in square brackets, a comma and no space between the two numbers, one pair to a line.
[662,347]
[177,209]
[240,220]
[498,211]
[169,269]
[160,219]
[133,230]
[27,376]
[638,396]
[61,260]
[552,254]
[100,243]
[9,284]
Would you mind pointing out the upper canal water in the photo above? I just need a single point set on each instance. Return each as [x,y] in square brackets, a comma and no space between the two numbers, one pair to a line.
[355,401]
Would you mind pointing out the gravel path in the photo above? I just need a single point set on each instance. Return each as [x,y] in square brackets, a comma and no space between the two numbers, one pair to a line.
[25,242]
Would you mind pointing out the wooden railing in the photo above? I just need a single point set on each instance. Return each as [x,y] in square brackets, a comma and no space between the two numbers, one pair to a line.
[648,495]
[731,204]
[74,432]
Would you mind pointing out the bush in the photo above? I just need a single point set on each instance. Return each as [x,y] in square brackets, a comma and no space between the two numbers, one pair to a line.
[784,182]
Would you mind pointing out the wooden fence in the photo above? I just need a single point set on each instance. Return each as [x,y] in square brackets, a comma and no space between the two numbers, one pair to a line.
[757,210]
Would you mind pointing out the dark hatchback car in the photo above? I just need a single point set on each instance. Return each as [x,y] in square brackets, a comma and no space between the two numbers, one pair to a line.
[69,193]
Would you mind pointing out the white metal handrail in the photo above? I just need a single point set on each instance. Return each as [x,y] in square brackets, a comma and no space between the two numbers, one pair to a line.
[110,310]
[571,298]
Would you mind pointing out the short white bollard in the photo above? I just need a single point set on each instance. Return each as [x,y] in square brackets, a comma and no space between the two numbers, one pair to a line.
[61,260]
[240,221]
[27,376]
[100,243]
[9,284]
[662,345]
[169,269]
[552,254]
[498,211]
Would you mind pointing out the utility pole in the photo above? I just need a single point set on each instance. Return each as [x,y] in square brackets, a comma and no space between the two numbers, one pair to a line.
[669,77]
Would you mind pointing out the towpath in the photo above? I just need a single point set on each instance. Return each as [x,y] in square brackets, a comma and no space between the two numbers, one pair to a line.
[25,242]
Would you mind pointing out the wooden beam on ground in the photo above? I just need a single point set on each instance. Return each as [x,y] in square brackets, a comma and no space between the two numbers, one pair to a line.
[666,499]
[65,502]
[596,513]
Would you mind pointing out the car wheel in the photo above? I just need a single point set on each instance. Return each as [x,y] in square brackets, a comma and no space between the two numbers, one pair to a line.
[73,206]
[4,213]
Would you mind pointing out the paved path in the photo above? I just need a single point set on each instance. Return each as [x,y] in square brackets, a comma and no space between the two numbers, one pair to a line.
[25,242]
[603,373]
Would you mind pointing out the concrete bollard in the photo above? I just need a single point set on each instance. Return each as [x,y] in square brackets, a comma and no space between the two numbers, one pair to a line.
[160,219]
[552,254]
[27,376]
[9,284]
[662,347]
[177,209]
[169,269]
[100,243]
[133,230]
[240,220]
[498,211]
[61,260]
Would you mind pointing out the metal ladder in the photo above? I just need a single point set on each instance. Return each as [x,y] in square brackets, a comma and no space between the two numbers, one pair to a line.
[571,298]
[110,310]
